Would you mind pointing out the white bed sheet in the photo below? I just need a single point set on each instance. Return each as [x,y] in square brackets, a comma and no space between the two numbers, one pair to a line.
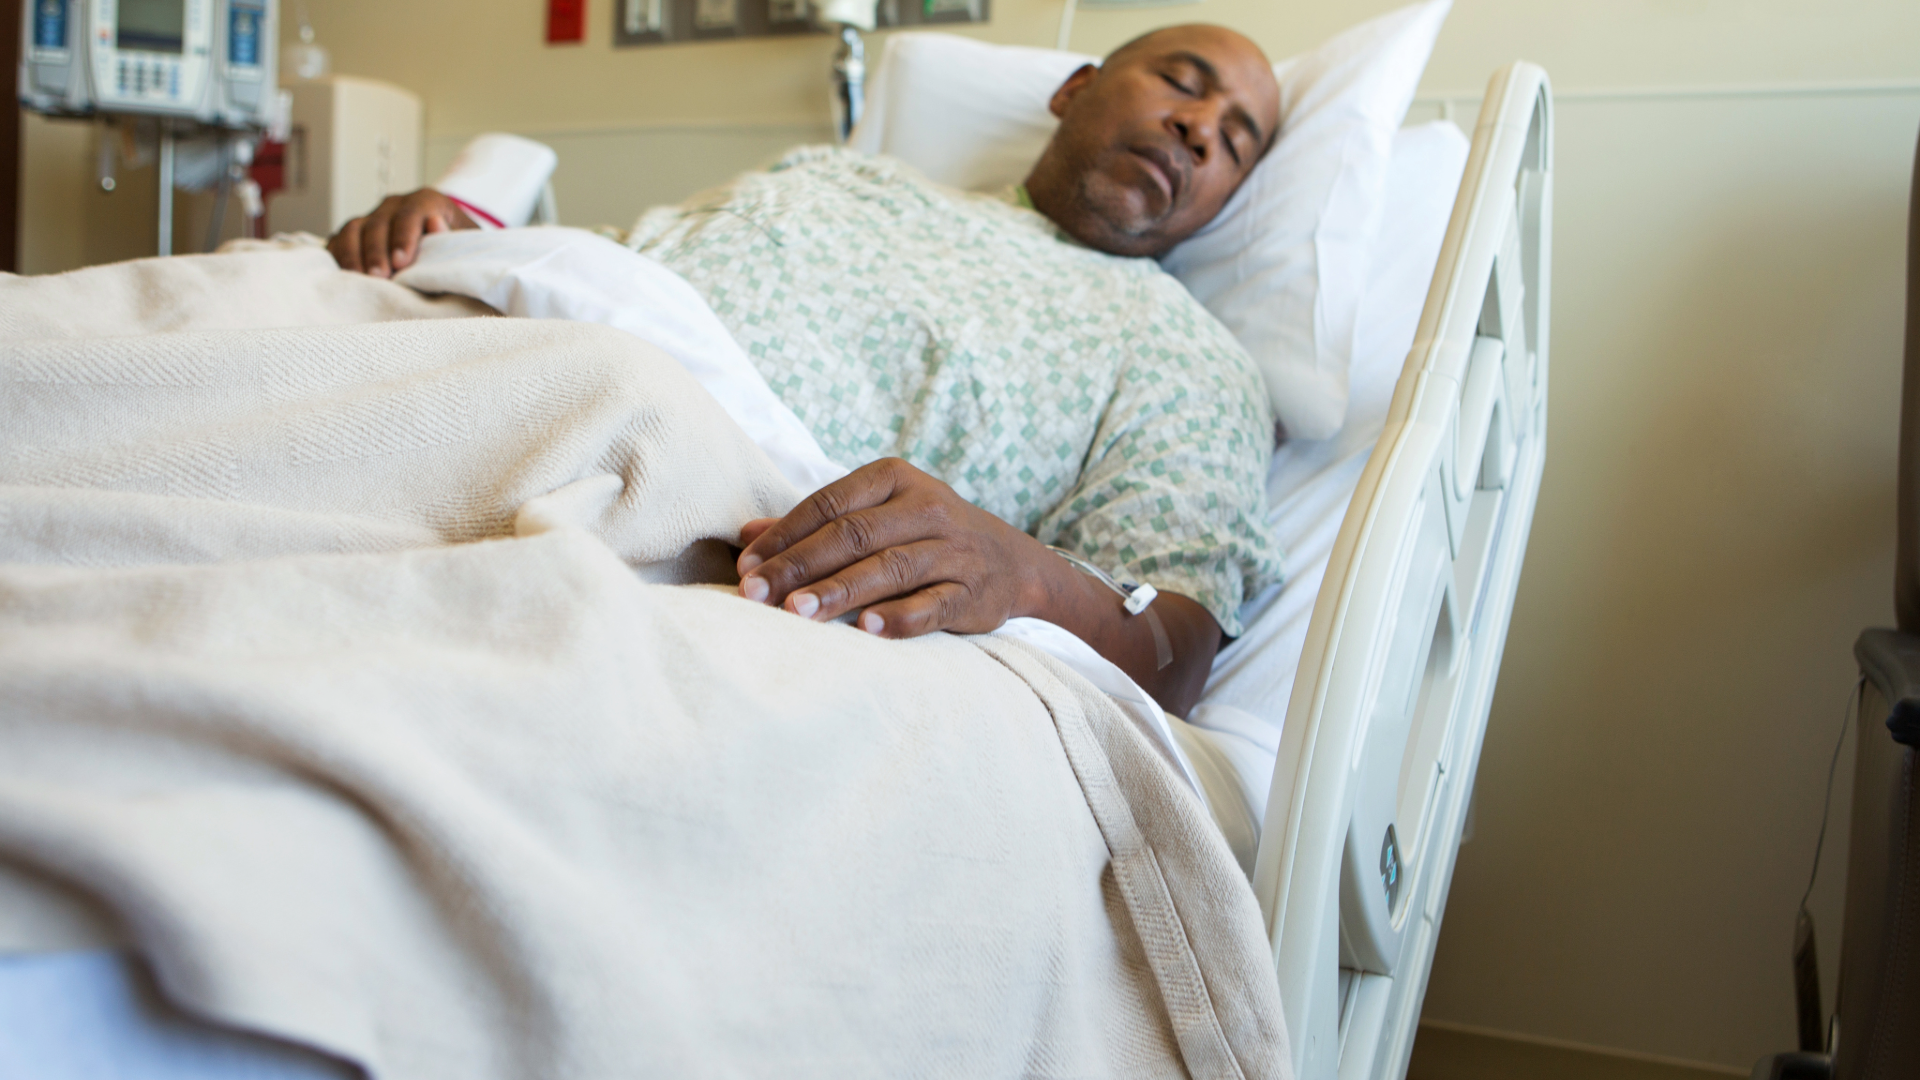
[1309,484]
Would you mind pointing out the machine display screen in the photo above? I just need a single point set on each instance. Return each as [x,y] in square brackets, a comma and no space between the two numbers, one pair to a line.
[151,25]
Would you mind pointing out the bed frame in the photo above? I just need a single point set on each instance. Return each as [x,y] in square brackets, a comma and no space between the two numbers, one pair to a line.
[1384,727]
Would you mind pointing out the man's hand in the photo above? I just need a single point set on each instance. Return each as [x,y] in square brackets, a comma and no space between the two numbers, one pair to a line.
[918,558]
[899,543]
[387,241]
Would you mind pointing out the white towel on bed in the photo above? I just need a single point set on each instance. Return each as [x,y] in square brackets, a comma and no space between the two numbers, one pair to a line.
[501,808]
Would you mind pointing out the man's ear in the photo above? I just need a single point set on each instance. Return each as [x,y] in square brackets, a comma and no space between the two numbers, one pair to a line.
[1075,83]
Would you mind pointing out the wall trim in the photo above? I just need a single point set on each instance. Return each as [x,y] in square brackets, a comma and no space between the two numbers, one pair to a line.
[1445,1050]
[589,129]
[1437,98]
[1879,88]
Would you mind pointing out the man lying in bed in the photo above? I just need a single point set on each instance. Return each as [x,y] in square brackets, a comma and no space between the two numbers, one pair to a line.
[1005,373]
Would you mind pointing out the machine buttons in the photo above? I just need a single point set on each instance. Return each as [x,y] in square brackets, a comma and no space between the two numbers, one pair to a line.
[167,58]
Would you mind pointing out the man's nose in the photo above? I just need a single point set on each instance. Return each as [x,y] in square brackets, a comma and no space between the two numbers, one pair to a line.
[1198,125]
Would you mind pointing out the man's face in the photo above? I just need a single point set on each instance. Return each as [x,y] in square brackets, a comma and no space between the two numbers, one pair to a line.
[1153,142]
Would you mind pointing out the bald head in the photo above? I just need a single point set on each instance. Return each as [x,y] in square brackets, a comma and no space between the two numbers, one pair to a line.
[1154,141]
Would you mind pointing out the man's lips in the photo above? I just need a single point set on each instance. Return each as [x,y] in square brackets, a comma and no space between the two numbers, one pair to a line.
[1161,167]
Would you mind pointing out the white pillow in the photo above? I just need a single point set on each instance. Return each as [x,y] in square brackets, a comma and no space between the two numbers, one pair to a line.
[1244,708]
[966,114]
[1284,264]
[501,176]
[1423,179]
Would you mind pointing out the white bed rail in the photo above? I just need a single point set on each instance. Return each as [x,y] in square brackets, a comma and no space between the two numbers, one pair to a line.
[1384,727]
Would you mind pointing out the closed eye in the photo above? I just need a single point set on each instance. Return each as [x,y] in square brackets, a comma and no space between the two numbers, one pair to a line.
[1233,151]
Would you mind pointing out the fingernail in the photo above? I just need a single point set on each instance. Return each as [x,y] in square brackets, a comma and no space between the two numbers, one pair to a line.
[872,623]
[754,589]
[749,561]
[805,604]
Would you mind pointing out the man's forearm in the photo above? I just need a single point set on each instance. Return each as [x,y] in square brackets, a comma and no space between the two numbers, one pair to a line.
[1071,599]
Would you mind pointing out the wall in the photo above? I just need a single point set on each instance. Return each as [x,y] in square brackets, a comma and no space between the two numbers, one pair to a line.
[1715,527]
[1716,523]
[697,113]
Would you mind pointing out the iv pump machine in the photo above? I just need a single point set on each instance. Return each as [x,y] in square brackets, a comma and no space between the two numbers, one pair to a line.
[199,70]
[208,62]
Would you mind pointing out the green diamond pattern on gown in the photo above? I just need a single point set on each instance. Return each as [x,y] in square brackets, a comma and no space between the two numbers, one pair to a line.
[1086,398]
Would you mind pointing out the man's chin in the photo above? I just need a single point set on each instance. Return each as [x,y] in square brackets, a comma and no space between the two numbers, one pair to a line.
[1119,221]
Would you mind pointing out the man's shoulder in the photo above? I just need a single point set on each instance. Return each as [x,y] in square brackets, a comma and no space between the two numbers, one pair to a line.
[1180,350]
[864,175]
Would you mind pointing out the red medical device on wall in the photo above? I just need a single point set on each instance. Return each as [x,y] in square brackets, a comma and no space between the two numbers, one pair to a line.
[566,21]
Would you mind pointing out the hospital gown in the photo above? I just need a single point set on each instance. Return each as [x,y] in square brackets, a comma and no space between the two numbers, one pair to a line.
[1087,399]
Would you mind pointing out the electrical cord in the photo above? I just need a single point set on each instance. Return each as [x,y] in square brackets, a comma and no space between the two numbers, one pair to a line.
[1807,1008]
[1826,804]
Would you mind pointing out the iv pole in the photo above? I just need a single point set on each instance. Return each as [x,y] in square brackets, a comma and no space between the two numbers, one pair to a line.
[849,17]
[166,187]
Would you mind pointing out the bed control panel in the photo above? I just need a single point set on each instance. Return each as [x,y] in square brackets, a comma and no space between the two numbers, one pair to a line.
[668,22]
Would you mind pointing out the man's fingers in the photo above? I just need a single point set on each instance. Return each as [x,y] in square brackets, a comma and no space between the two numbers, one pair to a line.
[942,606]
[890,572]
[751,531]
[373,244]
[832,548]
[388,239]
[345,245]
[403,242]
[868,486]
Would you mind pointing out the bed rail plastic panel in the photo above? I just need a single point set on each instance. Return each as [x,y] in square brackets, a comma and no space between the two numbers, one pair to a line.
[1384,727]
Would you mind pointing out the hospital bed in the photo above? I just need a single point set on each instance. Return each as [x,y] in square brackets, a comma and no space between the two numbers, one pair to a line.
[1389,701]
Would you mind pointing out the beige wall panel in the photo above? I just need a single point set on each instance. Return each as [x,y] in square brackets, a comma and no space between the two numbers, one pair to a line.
[1715,527]
[56,175]
[483,64]
[609,177]
[1587,43]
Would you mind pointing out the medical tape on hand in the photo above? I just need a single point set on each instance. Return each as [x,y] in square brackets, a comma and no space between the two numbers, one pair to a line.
[1162,648]
[1135,599]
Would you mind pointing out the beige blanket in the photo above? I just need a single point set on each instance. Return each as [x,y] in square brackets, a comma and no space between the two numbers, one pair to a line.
[503,808]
